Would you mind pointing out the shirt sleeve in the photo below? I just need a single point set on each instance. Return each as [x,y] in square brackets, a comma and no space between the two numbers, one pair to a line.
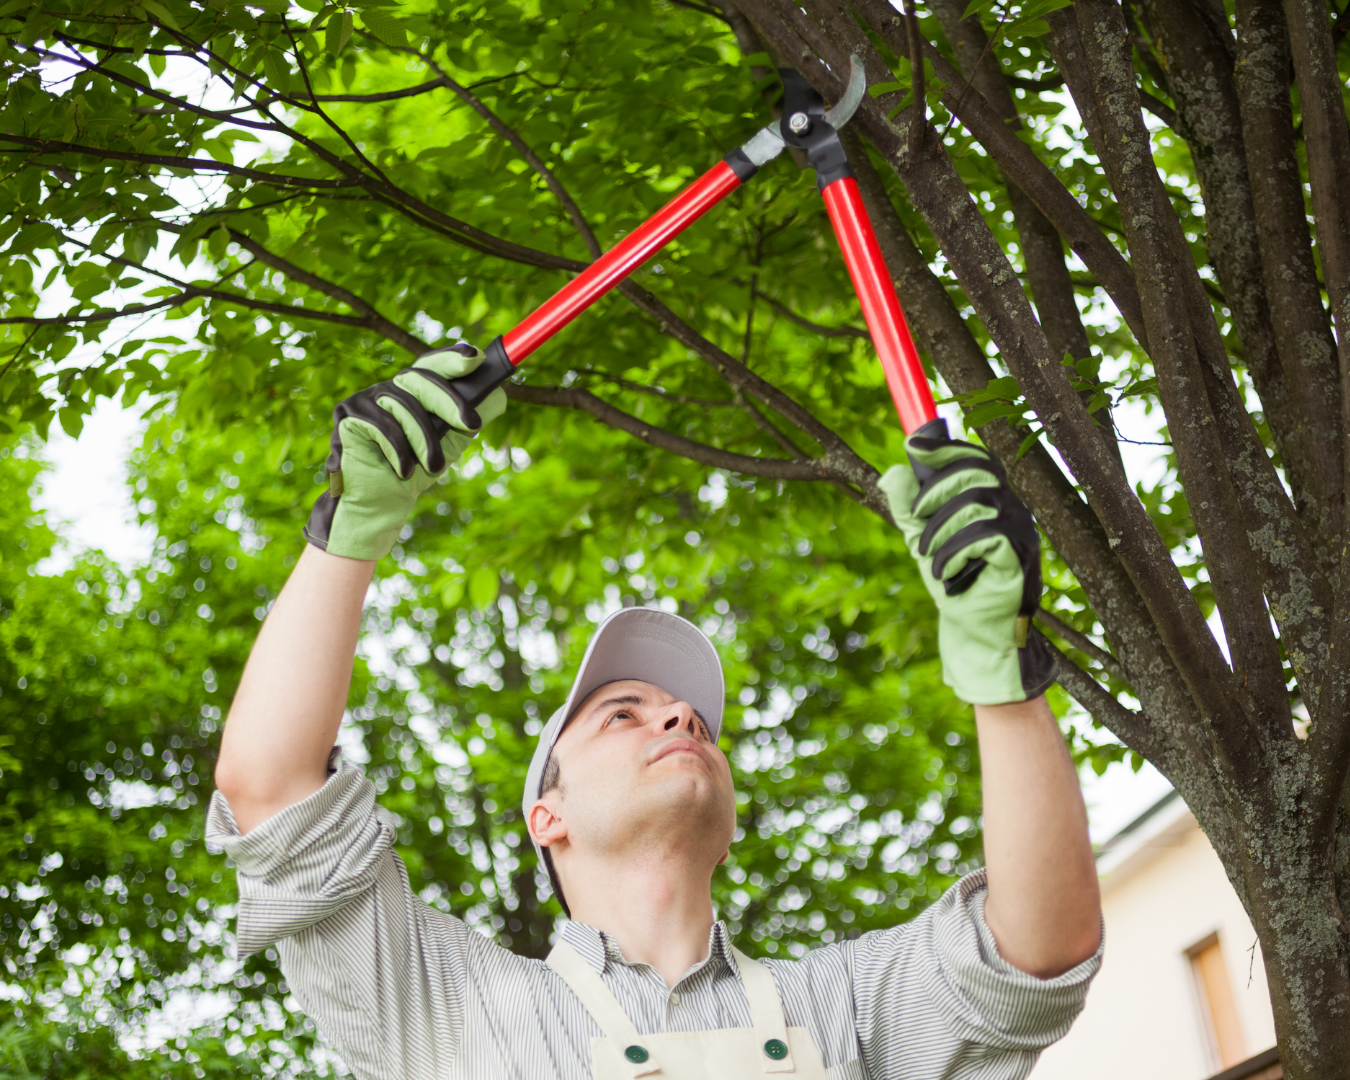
[381,974]
[935,993]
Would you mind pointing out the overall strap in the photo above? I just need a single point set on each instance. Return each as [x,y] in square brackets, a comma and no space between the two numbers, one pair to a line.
[604,1008]
[766,1014]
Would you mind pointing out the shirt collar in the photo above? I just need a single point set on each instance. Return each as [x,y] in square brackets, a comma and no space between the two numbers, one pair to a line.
[600,950]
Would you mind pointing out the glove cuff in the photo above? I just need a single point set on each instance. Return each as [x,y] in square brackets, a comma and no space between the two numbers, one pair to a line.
[1039,664]
[320,524]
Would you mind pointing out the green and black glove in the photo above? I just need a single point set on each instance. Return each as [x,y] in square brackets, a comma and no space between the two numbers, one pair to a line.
[389,444]
[980,556]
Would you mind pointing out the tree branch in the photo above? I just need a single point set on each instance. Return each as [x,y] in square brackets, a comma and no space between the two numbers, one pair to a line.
[745,464]
[815,328]
[1023,168]
[173,161]
[1042,247]
[1073,528]
[192,291]
[374,319]
[521,147]
[1082,643]
[1134,729]
[1155,240]
[1303,338]
[692,6]
[1049,82]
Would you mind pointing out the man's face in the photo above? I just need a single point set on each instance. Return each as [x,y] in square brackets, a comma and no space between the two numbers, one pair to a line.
[639,772]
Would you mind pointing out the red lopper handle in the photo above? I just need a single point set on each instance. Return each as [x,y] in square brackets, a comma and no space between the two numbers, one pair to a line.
[620,261]
[880,307]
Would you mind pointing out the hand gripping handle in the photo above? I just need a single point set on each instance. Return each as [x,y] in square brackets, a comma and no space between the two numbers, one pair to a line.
[470,391]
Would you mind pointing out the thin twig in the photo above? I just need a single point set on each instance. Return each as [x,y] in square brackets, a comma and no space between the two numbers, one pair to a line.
[700,8]
[1049,82]
[816,328]
[19,351]
[970,76]
[918,123]
[1158,108]
[656,391]
[747,465]
[1082,643]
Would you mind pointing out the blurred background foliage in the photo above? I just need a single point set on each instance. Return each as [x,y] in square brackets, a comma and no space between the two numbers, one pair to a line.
[857,770]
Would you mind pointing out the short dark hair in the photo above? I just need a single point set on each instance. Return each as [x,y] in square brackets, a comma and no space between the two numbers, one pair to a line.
[552,776]
[552,780]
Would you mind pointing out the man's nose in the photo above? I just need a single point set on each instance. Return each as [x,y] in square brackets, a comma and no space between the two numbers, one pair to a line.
[681,718]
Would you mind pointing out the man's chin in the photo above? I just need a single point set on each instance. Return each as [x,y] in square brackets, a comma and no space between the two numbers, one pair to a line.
[681,796]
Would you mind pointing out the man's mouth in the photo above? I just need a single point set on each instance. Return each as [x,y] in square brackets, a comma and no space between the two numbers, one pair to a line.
[679,746]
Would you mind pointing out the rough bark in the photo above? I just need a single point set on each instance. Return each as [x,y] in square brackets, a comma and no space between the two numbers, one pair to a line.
[1303,338]
[1052,288]
[1198,51]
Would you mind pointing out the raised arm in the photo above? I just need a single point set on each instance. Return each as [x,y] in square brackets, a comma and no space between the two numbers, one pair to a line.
[389,444]
[290,701]
[979,556]
[1044,906]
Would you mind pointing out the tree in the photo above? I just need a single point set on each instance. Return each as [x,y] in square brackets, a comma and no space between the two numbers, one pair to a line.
[346,186]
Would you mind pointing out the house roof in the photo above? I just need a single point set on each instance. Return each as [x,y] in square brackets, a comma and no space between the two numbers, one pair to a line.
[1156,830]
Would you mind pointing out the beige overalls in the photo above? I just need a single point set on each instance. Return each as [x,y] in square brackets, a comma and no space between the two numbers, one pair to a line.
[769,1046]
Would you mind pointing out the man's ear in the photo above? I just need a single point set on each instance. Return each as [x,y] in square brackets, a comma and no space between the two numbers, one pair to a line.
[544,823]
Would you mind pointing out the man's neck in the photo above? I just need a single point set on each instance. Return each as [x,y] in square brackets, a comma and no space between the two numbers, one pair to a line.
[657,910]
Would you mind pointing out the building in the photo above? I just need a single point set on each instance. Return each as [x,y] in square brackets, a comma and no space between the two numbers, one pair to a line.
[1182,991]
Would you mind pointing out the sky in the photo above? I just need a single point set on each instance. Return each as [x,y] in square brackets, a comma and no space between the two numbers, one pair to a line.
[86,491]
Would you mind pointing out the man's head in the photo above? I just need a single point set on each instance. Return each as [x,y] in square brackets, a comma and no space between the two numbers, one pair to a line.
[629,766]
[637,774]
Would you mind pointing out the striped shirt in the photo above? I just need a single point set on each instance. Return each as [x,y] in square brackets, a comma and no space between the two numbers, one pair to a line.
[406,992]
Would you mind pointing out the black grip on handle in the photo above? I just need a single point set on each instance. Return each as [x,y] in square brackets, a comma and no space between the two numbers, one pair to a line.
[935,429]
[469,391]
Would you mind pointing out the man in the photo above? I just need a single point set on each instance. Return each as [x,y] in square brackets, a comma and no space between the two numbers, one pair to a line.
[630,801]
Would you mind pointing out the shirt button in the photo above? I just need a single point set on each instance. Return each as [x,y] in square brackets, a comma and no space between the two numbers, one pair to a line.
[674,999]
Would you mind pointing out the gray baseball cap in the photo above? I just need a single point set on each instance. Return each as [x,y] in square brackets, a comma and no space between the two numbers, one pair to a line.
[648,644]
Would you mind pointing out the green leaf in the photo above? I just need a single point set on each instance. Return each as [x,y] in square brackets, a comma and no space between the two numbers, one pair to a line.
[905,103]
[1028,443]
[484,584]
[993,410]
[384,26]
[160,12]
[218,242]
[1026,28]
[759,59]
[338,33]
[72,420]
[1039,8]
[278,71]
[276,453]
[1004,388]
[878,89]
[977,7]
